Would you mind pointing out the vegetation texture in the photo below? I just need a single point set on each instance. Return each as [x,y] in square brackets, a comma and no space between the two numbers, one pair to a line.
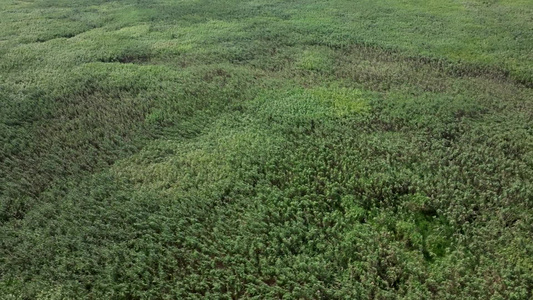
[265,149]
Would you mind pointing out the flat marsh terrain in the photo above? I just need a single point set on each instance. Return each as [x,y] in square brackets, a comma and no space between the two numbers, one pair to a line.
[266,149]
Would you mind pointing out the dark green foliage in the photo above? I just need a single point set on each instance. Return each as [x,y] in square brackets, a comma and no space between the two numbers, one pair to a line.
[266,149]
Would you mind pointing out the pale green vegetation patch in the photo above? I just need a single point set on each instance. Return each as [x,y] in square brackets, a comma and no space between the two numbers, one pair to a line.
[313,104]
[317,59]
[343,101]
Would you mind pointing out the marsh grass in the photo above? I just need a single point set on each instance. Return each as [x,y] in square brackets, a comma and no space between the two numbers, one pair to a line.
[265,149]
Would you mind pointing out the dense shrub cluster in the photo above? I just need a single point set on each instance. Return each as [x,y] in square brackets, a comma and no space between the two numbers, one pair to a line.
[265,149]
